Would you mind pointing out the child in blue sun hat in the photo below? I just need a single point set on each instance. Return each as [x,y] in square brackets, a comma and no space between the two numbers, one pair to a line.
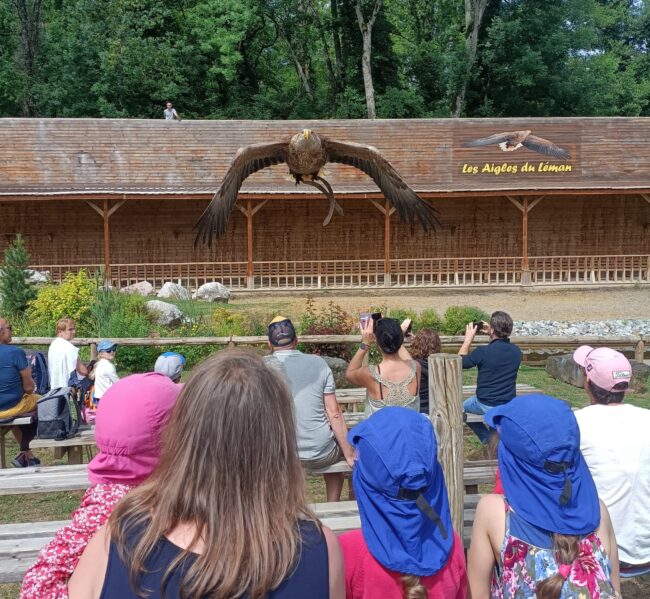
[406,544]
[104,372]
[553,537]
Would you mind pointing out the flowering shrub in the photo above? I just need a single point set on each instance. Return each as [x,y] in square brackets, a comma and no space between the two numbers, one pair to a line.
[330,320]
[73,298]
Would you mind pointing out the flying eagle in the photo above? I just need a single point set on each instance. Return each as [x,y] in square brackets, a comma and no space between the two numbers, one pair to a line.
[305,154]
[509,142]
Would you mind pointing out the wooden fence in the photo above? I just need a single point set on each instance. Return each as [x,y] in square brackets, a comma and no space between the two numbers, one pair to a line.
[536,345]
[355,274]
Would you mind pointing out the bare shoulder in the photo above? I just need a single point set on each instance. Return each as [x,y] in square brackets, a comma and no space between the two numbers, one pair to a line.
[490,515]
[87,579]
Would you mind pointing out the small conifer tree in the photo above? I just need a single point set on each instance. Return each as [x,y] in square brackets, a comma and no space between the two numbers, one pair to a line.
[15,287]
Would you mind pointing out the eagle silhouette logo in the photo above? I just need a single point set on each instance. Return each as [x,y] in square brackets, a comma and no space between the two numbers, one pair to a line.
[509,142]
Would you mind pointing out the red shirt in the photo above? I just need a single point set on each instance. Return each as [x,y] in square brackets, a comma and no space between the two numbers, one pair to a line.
[366,578]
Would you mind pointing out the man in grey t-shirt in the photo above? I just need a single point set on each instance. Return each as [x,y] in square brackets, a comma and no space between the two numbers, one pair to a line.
[320,428]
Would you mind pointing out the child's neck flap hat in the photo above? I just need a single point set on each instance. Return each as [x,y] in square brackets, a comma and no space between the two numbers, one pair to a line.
[130,417]
[401,492]
[545,478]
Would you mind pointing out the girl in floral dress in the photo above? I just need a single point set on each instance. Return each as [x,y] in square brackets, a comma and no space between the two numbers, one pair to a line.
[127,431]
[548,536]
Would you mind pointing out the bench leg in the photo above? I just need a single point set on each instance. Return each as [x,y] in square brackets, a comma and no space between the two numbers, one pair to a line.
[3,453]
[60,452]
[75,454]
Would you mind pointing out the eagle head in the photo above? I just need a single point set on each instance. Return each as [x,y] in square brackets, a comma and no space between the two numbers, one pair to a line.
[306,133]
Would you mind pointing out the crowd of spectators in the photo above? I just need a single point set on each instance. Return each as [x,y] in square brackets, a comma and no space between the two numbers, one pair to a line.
[198,489]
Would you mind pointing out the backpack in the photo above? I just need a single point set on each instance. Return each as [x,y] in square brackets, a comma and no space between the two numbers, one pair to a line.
[59,414]
[37,360]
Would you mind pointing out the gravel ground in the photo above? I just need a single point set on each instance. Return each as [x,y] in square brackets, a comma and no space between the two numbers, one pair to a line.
[522,304]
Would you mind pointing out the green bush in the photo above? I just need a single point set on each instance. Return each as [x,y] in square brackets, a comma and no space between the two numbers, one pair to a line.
[428,319]
[73,298]
[457,317]
[330,320]
[16,290]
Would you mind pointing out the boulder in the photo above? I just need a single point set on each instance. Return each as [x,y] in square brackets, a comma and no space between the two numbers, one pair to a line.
[143,288]
[38,276]
[212,292]
[563,368]
[338,366]
[174,291]
[640,376]
[164,313]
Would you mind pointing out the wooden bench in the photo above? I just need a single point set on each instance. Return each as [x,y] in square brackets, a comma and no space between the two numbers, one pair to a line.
[47,479]
[20,543]
[5,427]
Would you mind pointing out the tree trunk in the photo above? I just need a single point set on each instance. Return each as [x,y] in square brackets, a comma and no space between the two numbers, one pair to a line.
[366,33]
[338,52]
[474,11]
[29,15]
[331,72]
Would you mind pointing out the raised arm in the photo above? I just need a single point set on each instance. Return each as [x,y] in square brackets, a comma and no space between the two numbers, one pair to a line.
[357,373]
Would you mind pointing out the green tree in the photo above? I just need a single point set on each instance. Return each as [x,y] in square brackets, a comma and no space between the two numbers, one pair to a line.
[16,290]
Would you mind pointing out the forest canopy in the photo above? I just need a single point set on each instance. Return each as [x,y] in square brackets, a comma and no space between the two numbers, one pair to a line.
[296,59]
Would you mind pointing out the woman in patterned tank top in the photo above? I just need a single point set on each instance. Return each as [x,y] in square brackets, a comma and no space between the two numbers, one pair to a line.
[548,536]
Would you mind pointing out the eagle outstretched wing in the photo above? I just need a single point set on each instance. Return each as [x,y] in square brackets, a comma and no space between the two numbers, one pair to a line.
[248,160]
[409,206]
[497,138]
[543,146]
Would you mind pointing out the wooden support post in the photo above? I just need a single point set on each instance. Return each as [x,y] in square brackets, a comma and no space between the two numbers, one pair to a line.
[249,247]
[525,207]
[387,274]
[639,350]
[93,351]
[107,244]
[446,413]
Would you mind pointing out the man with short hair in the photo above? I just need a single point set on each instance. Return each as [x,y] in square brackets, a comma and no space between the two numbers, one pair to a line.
[320,428]
[497,363]
[63,357]
[170,113]
[615,443]
[17,397]
[170,364]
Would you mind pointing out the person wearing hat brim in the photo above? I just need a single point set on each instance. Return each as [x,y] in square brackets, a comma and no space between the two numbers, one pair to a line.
[406,544]
[320,428]
[553,536]
[615,443]
[128,431]
[104,373]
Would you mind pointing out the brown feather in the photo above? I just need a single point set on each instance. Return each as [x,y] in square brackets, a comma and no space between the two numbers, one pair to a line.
[248,160]
[409,206]
[543,146]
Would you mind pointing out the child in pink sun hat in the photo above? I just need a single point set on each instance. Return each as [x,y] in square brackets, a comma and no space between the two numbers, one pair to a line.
[128,428]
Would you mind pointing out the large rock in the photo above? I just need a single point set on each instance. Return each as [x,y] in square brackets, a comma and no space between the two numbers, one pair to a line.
[164,313]
[338,366]
[38,276]
[212,292]
[640,376]
[143,288]
[563,368]
[173,291]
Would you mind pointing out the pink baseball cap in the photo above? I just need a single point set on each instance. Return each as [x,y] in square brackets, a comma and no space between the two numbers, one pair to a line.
[603,366]
[130,417]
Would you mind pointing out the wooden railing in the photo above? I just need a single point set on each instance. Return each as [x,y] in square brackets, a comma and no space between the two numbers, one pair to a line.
[530,345]
[354,274]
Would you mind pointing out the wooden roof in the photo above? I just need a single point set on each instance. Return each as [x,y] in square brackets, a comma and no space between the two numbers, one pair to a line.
[137,158]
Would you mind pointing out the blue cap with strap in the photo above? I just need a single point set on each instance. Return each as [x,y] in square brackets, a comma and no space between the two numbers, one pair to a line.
[401,492]
[545,478]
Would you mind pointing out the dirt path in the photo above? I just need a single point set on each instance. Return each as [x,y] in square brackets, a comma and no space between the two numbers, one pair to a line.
[522,304]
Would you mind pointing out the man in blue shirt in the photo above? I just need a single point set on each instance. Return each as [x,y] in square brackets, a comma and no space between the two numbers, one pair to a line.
[17,394]
[497,363]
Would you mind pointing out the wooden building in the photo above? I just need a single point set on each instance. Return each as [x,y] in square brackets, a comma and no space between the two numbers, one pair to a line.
[123,196]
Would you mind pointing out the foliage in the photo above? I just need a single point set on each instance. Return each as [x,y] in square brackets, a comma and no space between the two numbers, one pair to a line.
[73,298]
[458,317]
[329,320]
[16,290]
[428,319]
[284,59]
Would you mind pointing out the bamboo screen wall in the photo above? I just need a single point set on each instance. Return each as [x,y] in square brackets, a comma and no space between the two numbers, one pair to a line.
[69,232]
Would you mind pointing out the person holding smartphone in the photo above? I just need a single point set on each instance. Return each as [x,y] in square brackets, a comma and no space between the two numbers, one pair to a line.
[394,381]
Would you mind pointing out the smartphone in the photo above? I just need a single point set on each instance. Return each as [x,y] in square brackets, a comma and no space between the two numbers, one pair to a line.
[364,317]
[376,316]
[479,325]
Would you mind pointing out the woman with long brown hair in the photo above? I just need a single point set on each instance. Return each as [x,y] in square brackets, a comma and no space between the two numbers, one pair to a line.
[425,343]
[548,536]
[224,513]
